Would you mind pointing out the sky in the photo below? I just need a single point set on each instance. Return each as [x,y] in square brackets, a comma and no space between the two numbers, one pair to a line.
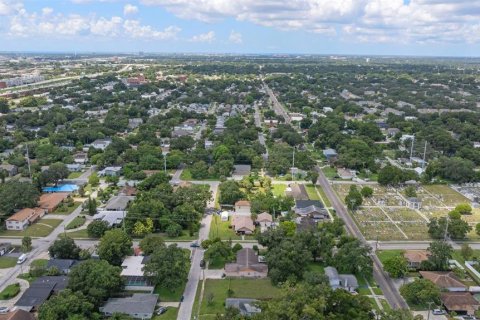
[364,27]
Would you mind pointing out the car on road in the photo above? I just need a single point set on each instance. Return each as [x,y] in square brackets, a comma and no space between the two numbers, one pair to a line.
[469,318]
[22,258]
[4,310]
[194,245]
[182,298]
[162,310]
[438,312]
[202,263]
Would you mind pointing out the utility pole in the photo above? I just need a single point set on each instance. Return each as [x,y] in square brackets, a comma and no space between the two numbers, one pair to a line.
[28,162]
[293,160]
[429,308]
[411,148]
[424,154]
[446,230]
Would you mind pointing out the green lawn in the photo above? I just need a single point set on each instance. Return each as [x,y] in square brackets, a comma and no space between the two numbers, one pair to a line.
[65,210]
[187,175]
[10,291]
[261,289]
[79,234]
[7,262]
[311,192]
[330,172]
[218,263]
[40,263]
[74,175]
[220,229]
[184,237]
[41,228]
[384,255]
[77,222]
[316,267]
[170,314]
[326,201]
[279,189]
[166,295]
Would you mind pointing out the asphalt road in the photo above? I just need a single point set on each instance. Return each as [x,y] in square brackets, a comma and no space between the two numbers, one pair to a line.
[277,107]
[383,280]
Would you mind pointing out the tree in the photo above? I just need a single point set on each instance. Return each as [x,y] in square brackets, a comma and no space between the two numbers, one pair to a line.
[199,170]
[54,173]
[174,230]
[67,305]
[439,254]
[219,250]
[64,248]
[168,267]
[230,192]
[97,228]
[477,229]
[354,198]
[366,192]
[4,108]
[92,206]
[96,279]
[411,192]
[114,246]
[94,180]
[17,195]
[466,251]
[313,176]
[289,227]
[455,228]
[354,257]
[140,229]
[401,314]
[397,266]
[287,261]
[420,292]
[153,181]
[26,244]
[464,208]
[150,243]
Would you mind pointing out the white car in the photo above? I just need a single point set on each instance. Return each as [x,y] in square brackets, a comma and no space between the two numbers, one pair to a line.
[439,312]
[4,310]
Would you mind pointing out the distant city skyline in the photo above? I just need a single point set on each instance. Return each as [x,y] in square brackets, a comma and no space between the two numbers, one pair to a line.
[353,27]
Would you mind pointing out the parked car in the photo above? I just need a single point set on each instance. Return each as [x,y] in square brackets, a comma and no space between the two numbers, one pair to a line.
[22,259]
[182,298]
[162,310]
[439,312]
[202,263]
[194,245]
[469,318]
[4,310]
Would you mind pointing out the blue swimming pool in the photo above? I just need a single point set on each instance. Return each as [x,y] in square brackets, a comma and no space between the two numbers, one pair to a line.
[62,188]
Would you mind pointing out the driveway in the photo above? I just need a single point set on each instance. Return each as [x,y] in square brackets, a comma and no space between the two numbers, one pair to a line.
[432,316]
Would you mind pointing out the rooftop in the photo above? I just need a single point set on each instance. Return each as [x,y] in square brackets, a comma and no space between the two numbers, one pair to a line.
[51,200]
[443,279]
[132,266]
[139,303]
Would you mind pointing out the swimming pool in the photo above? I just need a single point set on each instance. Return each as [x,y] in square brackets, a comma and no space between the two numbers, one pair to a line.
[62,188]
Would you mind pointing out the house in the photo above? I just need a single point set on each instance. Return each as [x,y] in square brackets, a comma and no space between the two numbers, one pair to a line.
[296,116]
[39,291]
[459,302]
[75,167]
[133,275]
[311,208]
[243,224]
[241,170]
[11,169]
[51,201]
[446,280]
[138,306]
[112,218]
[330,154]
[345,174]
[224,216]
[110,172]
[247,307]
[80,158]
[118,203]
[264,220]
[415,258]
[101,144]
[23,218]
[180,133]
[62,265]
[208,144]
[347,282]
[135,123]
[243,208]
[414,203]
[5,248]
[18,314]
[392,132]
[247,265]
[128,191]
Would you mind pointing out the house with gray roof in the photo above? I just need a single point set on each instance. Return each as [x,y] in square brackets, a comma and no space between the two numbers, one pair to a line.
[138,306]
[346,282]
[247,307]
[311,208]
[118,203]
[112,218]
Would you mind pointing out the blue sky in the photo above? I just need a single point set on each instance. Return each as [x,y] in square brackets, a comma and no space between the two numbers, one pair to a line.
[380,27]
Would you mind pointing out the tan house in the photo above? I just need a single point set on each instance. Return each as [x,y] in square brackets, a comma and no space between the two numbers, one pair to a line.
[446,280]
[415,258]
[243,224]
[51,201]
[264,220]
[246,265]
[23,218]
[243,208]
[460,302]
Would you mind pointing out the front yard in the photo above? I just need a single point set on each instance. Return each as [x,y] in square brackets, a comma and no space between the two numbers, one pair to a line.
[41,228]
[66,210]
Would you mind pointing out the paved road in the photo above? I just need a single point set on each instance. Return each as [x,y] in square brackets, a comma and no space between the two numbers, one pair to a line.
[261,136]
[277,106]
[385,282]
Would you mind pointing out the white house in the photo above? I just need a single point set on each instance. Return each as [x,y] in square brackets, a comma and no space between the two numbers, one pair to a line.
[23,218]
[243,208]
[110,171]
[101,144]
[224,216]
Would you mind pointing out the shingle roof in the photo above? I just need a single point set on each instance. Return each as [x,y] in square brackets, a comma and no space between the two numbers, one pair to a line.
[246,260]
[118,202]
[243,222]
[459,301]
[136,304]
[264,217]
[27,213]
[242,203]
[51,200]
[299,204]
[443,279]
[416,255]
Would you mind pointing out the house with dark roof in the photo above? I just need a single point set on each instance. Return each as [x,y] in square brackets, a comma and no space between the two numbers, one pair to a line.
[459,302]
[40,290]
[446,280]
[247,265]
[138,306]
[330,154]
[311,208]
[118,203]
[247,307]
[62,265]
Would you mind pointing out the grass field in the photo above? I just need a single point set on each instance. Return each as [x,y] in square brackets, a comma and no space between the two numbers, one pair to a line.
[384,255]
[7,262]
[10,291]
[170,314]
[221,229]
[79,234]
[216,292]
[446,194]
[279,189]
[74,175]
[166,295]
[330,172]
[187,176]
[311,191]
[77,222]
[41,228]
[39,263]
[67,210]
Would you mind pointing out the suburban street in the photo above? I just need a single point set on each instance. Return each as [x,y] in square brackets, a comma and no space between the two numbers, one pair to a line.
[385,282]
[277,106]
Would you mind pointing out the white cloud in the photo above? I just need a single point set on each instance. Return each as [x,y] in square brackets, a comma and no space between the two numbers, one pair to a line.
[134,29]
[204,37]
[235,37]
[363,20]
[8,7]
[46,11]
[129,9]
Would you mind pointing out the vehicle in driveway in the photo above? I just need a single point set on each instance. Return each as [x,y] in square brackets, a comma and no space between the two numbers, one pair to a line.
[194,245]
[4,310]
[202,263]
[162,310]
[439,312]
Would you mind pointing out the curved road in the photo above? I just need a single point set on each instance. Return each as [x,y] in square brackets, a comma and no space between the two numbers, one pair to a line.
[384,281]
